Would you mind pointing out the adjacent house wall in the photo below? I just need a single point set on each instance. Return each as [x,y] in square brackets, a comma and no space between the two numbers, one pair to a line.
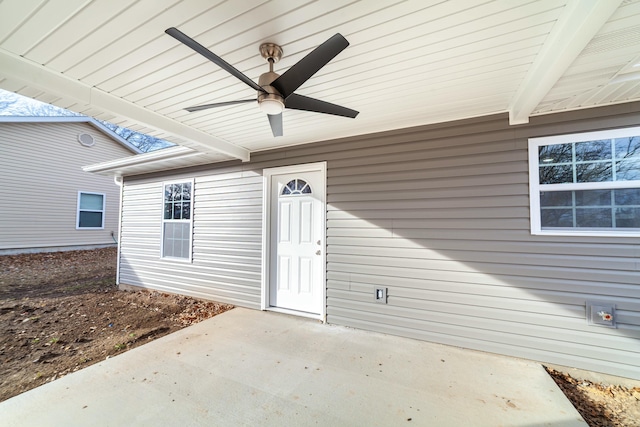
[439,215]
[41,174]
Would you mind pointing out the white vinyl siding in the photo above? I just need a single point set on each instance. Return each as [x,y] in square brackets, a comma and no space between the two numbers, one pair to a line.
[226,246]
[586,184]
[439,216]
[45,160]
[90,215]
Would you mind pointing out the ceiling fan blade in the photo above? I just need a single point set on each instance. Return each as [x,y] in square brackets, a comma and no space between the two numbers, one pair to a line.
[275,120]
[188,41]
[301,71]
[300,102]
[218,104]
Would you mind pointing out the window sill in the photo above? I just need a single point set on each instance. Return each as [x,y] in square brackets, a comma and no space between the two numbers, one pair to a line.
[181,260]
[584,233]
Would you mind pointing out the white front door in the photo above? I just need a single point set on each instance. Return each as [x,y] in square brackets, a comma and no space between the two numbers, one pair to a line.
[296,250]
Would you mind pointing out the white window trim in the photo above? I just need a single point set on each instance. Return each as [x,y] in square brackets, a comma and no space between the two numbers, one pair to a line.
[163,221]
[103,211]
[534,185]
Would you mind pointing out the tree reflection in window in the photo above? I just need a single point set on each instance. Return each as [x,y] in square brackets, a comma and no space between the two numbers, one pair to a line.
[610,208]
[296,187]
[177,201]
[590,161]
[588,183]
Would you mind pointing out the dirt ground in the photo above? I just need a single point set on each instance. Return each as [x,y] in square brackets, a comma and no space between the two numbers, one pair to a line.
[601,405]
[60,312]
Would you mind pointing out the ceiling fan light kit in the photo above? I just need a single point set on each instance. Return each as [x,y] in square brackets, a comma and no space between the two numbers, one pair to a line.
[276,92]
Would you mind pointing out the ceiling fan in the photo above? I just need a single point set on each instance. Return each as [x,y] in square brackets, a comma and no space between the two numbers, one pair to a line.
[276,92]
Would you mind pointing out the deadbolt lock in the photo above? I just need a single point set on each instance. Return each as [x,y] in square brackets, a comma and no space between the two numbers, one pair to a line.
[318,252]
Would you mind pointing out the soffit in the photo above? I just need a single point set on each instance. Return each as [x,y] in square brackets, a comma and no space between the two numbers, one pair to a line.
[409,63]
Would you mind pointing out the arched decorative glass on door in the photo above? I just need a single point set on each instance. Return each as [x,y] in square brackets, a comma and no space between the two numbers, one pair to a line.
[296,187]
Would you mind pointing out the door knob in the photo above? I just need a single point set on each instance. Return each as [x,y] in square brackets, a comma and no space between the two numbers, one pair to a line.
[319,242]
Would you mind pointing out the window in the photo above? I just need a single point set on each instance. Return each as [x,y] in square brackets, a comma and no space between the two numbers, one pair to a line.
[90,211]
[586,184]
[176,220]
[296,187]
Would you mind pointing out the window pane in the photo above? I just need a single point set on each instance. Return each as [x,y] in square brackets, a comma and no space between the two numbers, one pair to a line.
[167,247]
[185,248]
[176,192]
[177,211]
[177,240]
[186,191]
[593,208]
[557,153]
[91,202]
[593,150]
[589,218]
[628,217]
[628,170]
[168,193]
[186,210]
[177,248]
[295,187]
[593,198]
[90,219]
[556,174]
[627,196]
[168,210]
[627,147]
[594,172]
[556,198]
[556,218]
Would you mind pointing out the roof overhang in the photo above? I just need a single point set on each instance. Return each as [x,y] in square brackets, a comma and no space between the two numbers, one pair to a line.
[168,158]
[50,81]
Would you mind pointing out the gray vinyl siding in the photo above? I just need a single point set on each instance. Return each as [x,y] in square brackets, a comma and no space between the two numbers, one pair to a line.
[42,167]
[439,215]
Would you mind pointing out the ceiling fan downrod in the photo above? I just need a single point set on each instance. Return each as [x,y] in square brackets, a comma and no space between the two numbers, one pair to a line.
[270,101]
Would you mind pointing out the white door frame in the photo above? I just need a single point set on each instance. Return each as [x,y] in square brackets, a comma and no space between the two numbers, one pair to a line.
[266,233]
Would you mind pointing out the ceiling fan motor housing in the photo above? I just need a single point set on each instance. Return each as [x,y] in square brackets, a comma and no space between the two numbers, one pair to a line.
[271,101]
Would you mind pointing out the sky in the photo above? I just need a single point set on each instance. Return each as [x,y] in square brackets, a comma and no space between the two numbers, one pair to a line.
[12,104]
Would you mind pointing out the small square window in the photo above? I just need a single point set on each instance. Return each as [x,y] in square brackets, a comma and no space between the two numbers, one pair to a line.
[90,211]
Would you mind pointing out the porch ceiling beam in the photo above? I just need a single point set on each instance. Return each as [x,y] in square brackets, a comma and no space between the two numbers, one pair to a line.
[55,83]
[577,25]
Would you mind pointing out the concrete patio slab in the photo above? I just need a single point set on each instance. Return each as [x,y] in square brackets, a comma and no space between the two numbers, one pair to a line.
[247,367]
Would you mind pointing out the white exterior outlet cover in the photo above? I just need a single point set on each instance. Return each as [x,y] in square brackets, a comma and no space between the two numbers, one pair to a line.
[380,295]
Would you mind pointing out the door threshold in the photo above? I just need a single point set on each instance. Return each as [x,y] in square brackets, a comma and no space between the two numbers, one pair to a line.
[315,316]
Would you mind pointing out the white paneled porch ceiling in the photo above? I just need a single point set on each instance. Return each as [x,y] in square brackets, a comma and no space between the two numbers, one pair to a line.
[409,62]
